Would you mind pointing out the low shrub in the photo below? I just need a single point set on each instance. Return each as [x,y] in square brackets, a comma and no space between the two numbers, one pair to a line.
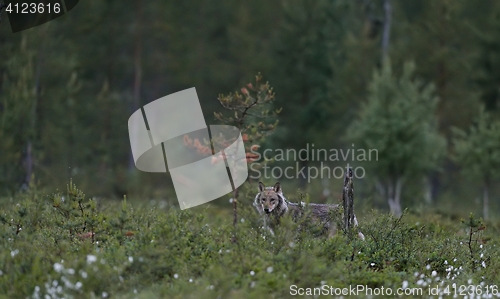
[65,245]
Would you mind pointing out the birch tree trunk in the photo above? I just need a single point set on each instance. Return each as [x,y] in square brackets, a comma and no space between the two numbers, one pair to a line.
[386,34]
[394,196]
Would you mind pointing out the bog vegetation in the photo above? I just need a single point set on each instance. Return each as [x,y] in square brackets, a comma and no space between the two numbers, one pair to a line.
[68,245]
[415,81]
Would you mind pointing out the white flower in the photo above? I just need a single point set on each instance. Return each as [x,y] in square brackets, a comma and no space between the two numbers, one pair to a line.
[58,267]
[78,285]
[190,280]
[130,259]
[13,253]
[483,264]
[176,275]
[434,273]
[405,285]
[252,273]
[104,295]
[91,259]
[269,270]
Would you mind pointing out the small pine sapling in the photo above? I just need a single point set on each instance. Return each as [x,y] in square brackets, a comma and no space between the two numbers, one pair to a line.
[250,111]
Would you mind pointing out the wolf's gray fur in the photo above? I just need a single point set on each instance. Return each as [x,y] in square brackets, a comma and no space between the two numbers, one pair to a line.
[273,205]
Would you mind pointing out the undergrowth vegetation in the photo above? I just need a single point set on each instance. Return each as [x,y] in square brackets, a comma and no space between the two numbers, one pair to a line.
[65,245]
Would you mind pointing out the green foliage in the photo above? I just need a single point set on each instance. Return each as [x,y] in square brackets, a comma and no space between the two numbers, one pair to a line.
[145,251]
[249,110]
[488,61]
[252,116]
[319,56]
[17,105]
[307,38]
[478,150]
[395,246]
[78,215]
[399,121]
[475,229]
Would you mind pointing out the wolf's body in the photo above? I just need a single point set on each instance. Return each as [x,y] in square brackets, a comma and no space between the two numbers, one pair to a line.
[273,205]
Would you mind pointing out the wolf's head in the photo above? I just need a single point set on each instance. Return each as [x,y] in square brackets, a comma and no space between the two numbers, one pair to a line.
[269,198]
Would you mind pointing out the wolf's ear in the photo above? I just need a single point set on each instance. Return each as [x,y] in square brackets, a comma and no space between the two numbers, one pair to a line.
[277,187]
[261,187]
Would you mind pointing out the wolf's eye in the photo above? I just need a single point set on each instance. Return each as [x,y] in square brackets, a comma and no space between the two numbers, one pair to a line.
[263,199]
[272,200]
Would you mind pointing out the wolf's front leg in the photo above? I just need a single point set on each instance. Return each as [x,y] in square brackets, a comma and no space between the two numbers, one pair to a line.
[332,229]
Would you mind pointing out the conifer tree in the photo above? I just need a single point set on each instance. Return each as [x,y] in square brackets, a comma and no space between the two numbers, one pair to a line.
[17,104]
[307,40]
[398,121]
[488,78]
[478,152]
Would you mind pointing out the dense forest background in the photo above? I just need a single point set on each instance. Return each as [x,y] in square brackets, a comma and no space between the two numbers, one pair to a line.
[339,69]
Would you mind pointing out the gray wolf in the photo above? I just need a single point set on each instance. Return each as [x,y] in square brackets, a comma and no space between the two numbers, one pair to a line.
[273,205]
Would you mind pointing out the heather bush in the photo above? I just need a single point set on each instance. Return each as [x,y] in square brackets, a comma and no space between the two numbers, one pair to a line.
[66,245]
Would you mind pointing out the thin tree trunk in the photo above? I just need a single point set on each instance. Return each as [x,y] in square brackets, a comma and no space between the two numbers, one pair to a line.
[381,189]
[397,196]
[136,100]
[348,200]
[394,196]
[485,201]
[390,196]
[234,238]
[29,164]
[33,116]
[426,182]
[387,29]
